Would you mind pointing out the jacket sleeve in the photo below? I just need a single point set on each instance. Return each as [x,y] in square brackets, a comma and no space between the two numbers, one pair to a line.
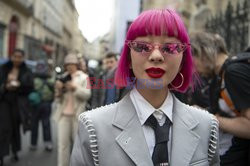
[82,91]
[213,149]
[81,154]
[27,83]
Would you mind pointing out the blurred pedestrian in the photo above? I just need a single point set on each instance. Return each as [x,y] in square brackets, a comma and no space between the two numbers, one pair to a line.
[109,94]
[203,50]
[83,66]
[44,88]
[71,94]
[150,126]
[229,95]
[16,82]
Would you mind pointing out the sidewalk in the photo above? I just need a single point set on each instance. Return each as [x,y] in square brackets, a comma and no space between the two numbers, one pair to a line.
[40,157]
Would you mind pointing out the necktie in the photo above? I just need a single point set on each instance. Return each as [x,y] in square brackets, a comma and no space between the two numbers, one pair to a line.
[160,153]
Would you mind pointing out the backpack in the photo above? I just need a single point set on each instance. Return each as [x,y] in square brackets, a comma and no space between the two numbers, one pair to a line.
[34,98]
[217,91]
[37,95]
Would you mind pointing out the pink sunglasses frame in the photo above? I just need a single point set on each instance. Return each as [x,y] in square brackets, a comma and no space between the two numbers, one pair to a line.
[153,46]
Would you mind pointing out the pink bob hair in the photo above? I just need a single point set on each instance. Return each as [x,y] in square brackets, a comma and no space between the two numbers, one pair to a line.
[157,22]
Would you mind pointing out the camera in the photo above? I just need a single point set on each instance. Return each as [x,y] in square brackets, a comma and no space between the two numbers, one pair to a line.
[65,78]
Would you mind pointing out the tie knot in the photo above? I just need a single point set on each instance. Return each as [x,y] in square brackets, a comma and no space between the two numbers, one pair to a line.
[161,132]
[152,122]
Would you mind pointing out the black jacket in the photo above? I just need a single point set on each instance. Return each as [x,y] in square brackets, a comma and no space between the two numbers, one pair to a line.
[25,77]
[21,100]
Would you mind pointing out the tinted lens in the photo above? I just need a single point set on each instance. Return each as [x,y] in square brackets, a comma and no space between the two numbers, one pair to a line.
[173,48]
[139,46]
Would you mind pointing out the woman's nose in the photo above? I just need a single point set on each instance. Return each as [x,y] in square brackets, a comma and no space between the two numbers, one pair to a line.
[156,56]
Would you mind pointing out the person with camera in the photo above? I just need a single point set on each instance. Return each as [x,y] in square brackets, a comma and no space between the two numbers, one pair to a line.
[71,95]
[229,95]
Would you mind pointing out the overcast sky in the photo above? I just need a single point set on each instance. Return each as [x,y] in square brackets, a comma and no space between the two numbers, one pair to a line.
[94,17]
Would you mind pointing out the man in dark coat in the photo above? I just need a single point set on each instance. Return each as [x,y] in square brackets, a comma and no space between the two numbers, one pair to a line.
[16,82]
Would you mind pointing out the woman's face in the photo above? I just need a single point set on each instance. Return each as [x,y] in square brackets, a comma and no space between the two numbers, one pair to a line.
[156,64]
[201,66]
[71,68]
[17,58]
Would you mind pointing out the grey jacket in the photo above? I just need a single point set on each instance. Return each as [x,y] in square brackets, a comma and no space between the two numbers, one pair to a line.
[116,138]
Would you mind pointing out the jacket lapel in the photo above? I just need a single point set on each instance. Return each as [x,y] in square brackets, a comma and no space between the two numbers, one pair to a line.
[184,139]
[131,139]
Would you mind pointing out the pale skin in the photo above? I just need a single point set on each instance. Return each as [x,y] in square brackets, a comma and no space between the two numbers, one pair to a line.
[238,126]
[17,59]
[171,65]
[110,63]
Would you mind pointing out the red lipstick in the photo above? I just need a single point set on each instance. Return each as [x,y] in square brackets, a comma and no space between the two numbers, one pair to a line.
[155,72]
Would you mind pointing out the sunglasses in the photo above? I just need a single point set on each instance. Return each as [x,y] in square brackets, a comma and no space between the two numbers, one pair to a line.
[146,48]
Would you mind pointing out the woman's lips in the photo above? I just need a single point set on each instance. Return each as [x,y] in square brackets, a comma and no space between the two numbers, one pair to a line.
[155,72]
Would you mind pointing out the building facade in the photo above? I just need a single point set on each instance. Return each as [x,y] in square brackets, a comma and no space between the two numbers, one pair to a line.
[43,28]
[198,13]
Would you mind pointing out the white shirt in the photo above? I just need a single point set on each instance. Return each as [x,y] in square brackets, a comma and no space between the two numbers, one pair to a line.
[144,109]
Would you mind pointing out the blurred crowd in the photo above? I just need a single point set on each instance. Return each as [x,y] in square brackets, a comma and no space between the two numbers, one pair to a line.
[28,98]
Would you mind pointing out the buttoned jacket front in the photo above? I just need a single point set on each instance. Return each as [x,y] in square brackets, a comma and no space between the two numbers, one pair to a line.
[119,138]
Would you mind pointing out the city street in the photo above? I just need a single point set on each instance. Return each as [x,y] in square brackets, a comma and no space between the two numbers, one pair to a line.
[40,157]
[124,82]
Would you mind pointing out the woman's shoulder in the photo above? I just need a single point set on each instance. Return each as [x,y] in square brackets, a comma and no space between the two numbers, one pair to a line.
[205,120]
[199,113]
[194,113]
[100,114]
[81,73]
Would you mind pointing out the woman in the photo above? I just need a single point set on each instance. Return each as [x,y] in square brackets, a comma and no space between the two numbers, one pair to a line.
[71,97]
[149,126]
[16,82]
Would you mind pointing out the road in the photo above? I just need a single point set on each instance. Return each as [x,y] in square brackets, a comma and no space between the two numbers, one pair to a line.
[40,157]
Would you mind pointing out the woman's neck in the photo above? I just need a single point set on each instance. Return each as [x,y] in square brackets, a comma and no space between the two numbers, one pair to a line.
[155,97]
[73,72]
[15,68]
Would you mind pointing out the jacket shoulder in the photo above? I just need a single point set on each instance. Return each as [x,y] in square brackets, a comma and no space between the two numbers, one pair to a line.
[208,129]
[199,113]
[103,113]
[82,74]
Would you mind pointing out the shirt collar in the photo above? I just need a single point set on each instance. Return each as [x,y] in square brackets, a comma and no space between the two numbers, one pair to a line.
[144,109]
